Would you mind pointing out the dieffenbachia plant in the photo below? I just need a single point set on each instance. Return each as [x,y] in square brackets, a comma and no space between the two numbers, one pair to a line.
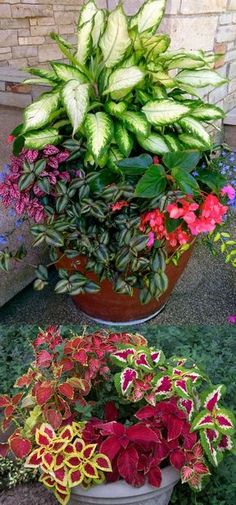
[122,88]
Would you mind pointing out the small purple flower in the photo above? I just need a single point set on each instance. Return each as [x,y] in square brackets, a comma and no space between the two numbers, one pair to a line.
[11,212]
[20,238]
[3,240]
[232,319]
[19,222]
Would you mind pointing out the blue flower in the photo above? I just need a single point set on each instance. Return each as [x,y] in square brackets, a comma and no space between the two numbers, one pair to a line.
[11,212]
[3,240]
[19,222]
[20,238]
[2,177]
[195,173]
[6,168]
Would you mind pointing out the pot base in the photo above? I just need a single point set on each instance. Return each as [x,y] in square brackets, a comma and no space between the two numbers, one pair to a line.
[128,323]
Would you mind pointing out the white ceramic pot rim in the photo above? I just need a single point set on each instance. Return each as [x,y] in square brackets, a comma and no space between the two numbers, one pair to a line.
[121,489]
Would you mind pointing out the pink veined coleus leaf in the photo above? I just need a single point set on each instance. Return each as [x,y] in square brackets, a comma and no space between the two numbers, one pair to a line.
[213,398]
[128,377]
[203,420]
[186,473]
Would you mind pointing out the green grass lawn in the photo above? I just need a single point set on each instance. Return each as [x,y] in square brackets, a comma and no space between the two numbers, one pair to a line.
[214,348]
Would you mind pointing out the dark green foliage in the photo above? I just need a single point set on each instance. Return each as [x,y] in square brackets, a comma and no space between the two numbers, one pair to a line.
[13,472]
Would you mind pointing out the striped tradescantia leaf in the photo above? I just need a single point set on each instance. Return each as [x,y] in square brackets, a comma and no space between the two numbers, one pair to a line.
[200,78]
[38,113]
[99,132]
[154,143]
[124,79]
[207,113]
[67,72]
[84,42]
[162,112]
[191,125]
[123,139]
[150,15]
[115,40]
[87,12]
[41,138]
[76,100]
[99,22]
[136,123]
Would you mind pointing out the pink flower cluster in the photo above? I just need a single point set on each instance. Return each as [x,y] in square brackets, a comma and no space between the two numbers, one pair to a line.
[28,201]
[208,215]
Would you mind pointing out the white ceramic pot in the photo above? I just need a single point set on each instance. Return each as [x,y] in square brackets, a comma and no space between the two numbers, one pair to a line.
[120,493]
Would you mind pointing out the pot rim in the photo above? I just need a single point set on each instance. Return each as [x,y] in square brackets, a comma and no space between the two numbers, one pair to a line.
[121,489]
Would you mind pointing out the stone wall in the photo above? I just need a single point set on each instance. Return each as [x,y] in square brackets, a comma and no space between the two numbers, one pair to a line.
[193,24]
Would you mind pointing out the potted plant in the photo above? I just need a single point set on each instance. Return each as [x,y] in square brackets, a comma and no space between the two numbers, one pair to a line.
[108,164]
[108,410]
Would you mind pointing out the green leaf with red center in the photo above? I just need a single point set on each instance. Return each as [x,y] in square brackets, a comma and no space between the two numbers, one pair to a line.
[58,445]
[88,451]
[120,357]
[20,446]
[225,421]
[66,390]
[102,462]
[59,459]
[75,477]
[34,459]
[209,449]
[67,433]
[157,357]
[143,362]
[47,481]
[203,420]
[60,475]
[163,386]
[187,405]
[125,380]
[48,459]
[211,398]
[69,449]
[62,498]
[78,445]
[89,469]
[44,392]
[226,443]
[73,461]
[182,387]
[16,399]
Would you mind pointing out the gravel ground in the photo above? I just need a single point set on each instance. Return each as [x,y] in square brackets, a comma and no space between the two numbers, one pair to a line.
[28,494]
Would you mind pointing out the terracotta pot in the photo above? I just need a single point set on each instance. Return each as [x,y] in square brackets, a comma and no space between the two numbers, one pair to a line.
[108,307]
[120,493]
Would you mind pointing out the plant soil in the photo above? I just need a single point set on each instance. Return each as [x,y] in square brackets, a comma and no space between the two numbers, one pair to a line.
[27,494]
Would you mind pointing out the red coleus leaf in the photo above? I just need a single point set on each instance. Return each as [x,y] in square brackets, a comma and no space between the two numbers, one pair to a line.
[141,433]
[155,477]
[186,473]
[200,468]
[4,400]
[80,356]
[66,390]
[110,447]
[177,459]
[43,359]
[43,392]
[146,412]
[110,411]
[9,411]
[16,398]
[174,427]
[127,464]
[20,446]
[4,448]
[53,417]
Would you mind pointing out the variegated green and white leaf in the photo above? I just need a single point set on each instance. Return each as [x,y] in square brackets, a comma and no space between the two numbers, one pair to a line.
[41,138]
[191,142]
[191,125]
[163,78]
[207,112]
[186,62]
[150,15]
[84,42]
[99,22]
[200,78]
[153,46]
[67,72]
[115,40]
[87,12]
[136,123]
[172,142]
[129,62]
[116,109]
[123,139]
[38,113]
[41,72]
[154,143]
[124,79]
[162,112]
[76,100]
[40,82]
[114,155]
[99,133]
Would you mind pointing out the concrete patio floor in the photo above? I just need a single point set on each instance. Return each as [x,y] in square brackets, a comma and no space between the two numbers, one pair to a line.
[205,294]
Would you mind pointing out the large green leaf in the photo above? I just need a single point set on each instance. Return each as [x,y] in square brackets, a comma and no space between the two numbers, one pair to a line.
[186,62]
[38,113]
[152,183]
[76,100]
[154,143]
[84,42]
[124,79]
[186,160]
[185,181]
[99,23]
[162,112]
[135,166]
[115,40]
[207,112]
[150,15]
[67,72]
[87,12]
[40,138]
[213,180]
[123,139]
[136,122]
[200,78]
[193,126]
[99,132]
